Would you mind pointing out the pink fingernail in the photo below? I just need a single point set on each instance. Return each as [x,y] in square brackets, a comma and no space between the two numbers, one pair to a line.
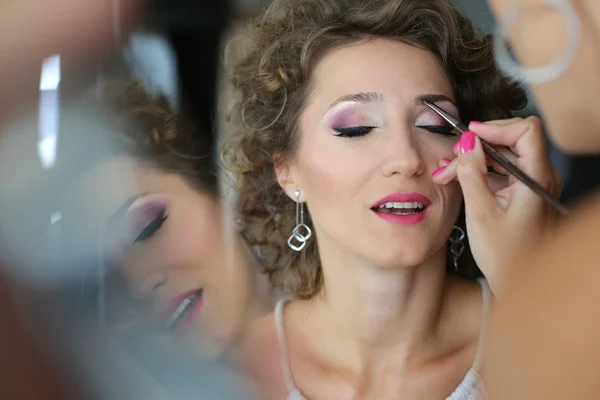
[447,161]
[438,171]
[477,122]
[467,142]
[455,145]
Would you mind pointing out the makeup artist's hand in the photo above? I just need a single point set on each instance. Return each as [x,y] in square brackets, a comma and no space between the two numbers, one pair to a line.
[503,215]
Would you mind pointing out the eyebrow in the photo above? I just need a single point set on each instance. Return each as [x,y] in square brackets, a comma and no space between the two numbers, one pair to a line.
[373,97]
[368,97]
[435,98]
[122,210]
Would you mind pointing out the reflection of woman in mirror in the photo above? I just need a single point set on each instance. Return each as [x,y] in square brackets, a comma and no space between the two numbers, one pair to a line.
[345,176]
[164,230]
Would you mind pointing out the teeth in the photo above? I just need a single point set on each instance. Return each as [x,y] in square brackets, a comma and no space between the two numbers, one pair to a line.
[408,205]
[176,316]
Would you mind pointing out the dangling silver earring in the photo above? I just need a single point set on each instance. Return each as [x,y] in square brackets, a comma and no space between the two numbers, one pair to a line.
[457,246]
[297,235]
[551,71]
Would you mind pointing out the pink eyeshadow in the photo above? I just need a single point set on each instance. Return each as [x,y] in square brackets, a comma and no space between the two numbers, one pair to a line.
[345,119]
[143,211]
[450,109]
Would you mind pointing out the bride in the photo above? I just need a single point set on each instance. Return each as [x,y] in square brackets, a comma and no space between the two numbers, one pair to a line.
[347,184]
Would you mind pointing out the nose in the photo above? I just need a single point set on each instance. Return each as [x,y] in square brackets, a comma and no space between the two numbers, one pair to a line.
[146,286]
[403,157]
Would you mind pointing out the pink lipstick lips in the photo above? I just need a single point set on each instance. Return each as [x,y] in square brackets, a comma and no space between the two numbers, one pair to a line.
[402,208]
[182,310]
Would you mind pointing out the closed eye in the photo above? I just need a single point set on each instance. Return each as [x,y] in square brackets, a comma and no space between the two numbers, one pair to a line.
[153,227]
[355,131]
[445,130]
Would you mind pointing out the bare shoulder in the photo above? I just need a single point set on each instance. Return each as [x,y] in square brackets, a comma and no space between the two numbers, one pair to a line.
[263,357]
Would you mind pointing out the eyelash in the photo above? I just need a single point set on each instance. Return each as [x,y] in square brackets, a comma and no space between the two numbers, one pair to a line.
[445,130]
[152,227]
[358,131]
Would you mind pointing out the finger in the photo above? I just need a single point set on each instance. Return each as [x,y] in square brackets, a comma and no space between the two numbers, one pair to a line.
[500,122]
[444,162]
[494,167]
[505,151]
[497,182]
[471,171]
[509,155]
[527,138]
[442,165]
[446,173]
[519,133]
[456,147]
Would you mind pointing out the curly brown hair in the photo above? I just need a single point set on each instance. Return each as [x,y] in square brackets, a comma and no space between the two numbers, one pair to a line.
[271,76]
[145,127]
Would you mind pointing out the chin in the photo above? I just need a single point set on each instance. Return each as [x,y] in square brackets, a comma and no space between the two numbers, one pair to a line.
[205,348]
[401,260]
[216,344]
[407,256]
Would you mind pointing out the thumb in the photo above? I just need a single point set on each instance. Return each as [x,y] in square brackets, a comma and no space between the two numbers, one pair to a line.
[471,171]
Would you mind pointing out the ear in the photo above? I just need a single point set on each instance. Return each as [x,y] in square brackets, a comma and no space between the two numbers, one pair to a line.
[286,175]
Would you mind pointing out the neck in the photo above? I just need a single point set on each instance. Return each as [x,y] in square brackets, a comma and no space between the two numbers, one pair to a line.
[373,309]
[235,255]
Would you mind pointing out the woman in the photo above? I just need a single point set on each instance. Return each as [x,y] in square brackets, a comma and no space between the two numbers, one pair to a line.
[151,200]
[346,182]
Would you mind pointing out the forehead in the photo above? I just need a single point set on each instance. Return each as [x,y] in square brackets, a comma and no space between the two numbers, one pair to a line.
[104,187]
[398,70]
[92,200]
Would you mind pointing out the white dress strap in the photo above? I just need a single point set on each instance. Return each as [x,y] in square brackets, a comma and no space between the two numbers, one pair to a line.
[486,293]
[294,393]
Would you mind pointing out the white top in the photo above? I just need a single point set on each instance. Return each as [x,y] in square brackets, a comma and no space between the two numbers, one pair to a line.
[471,387]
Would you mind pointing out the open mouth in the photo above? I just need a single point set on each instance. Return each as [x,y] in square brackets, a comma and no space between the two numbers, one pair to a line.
[182,310]
[400,208]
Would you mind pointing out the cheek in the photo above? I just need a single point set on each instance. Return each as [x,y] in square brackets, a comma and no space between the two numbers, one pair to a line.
[193,238]
[331,172]
[454,199]
[434,149]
